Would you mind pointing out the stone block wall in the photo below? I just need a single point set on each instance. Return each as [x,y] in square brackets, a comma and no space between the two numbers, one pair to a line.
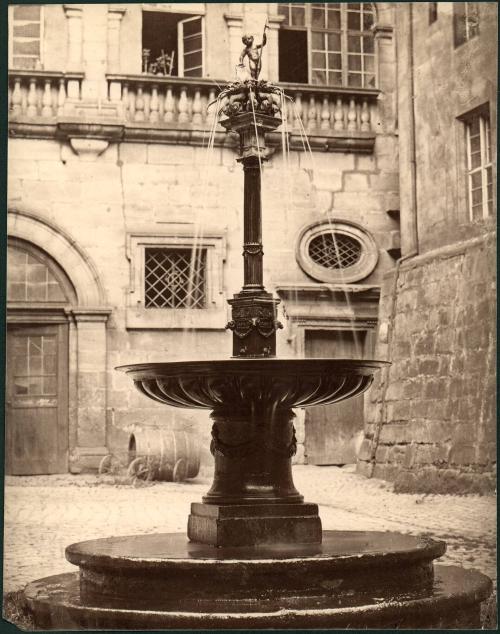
[140,187]
[431,424]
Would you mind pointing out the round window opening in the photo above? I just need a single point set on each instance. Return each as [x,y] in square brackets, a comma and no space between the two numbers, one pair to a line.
[337,251]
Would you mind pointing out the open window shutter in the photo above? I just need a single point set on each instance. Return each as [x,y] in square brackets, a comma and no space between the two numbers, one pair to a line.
[190,47]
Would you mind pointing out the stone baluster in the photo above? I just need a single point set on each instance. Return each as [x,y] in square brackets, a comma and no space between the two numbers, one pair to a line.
[197,118]
[154,105]
[139,105]
[47,99]
[61,97]
[311,114]
[325,114]
[290,112]
[169,106]
[352,117]
[183,106]
[125,99]
[32,98]
[297,111]
[16,96]
[211,99]
[365,117]
[338,115]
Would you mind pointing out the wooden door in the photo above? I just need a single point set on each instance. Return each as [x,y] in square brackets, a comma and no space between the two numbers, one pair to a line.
[332,431]
[37,399]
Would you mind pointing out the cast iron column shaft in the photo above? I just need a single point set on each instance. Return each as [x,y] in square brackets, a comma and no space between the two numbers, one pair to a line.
[252,232]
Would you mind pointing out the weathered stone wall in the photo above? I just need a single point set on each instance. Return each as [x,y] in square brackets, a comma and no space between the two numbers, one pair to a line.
[149,187]
[449,82]
[101,196]
[431,424]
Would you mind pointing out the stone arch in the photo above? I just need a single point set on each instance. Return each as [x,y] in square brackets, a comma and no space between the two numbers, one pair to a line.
[59,245]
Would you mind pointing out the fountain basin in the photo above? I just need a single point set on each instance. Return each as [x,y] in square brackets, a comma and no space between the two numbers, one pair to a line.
[249,384]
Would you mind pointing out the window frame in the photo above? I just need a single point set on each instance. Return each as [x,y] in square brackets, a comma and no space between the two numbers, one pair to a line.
[190,16]
[202,273]
[344,51]
[180,45]
[433,8]
[212,316]
[11,38]
[364,266]
[486,162]
[458,17]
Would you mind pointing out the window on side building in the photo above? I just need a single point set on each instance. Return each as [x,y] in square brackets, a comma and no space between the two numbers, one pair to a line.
[329,44]
[25,36]
[172,44]
[433,12]
[465,21]
[478,164]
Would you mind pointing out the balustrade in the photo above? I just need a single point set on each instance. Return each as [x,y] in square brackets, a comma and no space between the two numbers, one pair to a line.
[319,110]
[170,106]
[42,94]
[329,111]
[163,101]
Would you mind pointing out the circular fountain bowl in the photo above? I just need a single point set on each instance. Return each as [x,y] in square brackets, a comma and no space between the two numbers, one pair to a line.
[244,383]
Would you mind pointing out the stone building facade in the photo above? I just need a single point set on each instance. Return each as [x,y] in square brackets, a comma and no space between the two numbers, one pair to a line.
[430,419]
[125,229]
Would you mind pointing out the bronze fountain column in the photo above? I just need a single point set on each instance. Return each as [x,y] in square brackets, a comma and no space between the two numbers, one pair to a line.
[253,499]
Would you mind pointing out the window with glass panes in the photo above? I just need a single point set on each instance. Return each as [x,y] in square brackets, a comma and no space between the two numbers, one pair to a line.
[479,166]
[338,47]
[465,21]
[26,36]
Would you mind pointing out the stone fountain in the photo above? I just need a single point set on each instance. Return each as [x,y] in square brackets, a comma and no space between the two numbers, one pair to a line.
[256,556]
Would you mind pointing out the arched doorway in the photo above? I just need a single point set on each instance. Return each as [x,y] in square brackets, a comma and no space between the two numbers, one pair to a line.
[38,293]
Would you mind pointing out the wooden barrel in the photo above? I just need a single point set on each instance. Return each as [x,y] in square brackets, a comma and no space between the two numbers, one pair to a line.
[164,454]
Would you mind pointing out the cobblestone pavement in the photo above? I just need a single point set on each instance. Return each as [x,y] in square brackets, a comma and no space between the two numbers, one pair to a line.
[44,514]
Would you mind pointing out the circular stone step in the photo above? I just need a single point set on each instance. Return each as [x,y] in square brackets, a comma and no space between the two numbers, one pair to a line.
[145,569]
[453,602]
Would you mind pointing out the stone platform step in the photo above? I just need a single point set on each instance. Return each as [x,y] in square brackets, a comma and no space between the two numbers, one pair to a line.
[453,603]
[353,579]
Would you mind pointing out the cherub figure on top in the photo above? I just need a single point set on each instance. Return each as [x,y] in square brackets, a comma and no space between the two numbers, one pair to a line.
[254,54]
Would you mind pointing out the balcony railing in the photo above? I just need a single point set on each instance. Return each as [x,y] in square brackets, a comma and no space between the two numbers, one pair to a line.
[43,94]
[175,110]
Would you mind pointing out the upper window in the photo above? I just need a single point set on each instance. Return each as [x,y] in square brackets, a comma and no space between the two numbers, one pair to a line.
[327,43]
[172,44]
[465,21]
[479,167]
[26,36]
[433,12]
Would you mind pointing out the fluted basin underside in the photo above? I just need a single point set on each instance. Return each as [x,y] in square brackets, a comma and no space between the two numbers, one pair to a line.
[244,383]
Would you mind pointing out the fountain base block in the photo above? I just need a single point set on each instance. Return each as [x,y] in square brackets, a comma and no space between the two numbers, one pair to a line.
[254,524]
[353,580]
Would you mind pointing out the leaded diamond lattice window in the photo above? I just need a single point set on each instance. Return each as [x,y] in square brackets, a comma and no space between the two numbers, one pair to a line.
[175,278]
[335,250]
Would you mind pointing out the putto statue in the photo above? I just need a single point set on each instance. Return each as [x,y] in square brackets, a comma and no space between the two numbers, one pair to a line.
[254,54]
